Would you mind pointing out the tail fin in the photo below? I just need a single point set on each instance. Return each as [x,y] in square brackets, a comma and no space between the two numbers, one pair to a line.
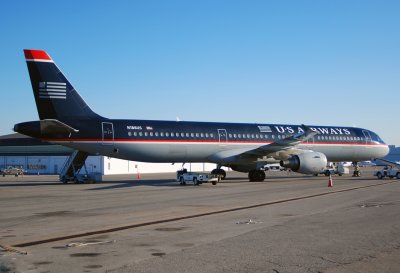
[55,96]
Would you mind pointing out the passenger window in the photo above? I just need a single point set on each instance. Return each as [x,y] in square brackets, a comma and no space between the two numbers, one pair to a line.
[145,134]
[197,135]
[151,133]
[248,136]
[182,134]
[212,135]
[206,134]
[156,134]
[202,135]
[167,134]
[135,133]
[191,134]
[230,135]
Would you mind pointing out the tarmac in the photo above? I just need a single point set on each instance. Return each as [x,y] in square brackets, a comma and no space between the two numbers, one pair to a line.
[288,223]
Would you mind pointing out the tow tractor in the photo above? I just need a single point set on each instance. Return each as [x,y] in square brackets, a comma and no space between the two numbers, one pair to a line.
[392,170]
[197,178]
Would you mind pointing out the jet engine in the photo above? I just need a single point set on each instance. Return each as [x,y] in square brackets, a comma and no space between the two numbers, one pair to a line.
[307,163]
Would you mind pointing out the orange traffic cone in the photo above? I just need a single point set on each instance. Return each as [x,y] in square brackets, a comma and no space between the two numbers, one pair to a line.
[330,183]
[138,175]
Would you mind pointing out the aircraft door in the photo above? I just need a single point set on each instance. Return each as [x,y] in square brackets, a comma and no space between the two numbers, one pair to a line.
[107,133]
[222,135]
[367,136]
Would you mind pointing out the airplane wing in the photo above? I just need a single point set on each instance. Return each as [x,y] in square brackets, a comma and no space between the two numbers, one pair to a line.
[388,162]
[282,145]
[279,150]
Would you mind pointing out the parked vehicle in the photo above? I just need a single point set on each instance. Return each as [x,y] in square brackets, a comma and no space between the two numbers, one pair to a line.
[338,169]
[197,178]
[274,167]
[10,170]
[388,171]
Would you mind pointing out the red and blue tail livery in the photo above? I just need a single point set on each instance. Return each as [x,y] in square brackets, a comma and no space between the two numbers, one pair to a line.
[66,119]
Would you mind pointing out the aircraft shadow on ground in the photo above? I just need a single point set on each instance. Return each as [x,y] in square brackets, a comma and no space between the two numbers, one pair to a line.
[135,183]
[109,185]
[174,183]
[28,184]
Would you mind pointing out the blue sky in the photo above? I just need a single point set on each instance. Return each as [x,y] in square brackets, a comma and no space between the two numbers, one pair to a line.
[312,62]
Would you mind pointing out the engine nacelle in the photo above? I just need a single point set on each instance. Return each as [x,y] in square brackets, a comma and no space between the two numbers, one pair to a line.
[307,163]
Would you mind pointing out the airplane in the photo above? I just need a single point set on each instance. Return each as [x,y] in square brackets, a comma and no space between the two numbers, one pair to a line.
[66,119]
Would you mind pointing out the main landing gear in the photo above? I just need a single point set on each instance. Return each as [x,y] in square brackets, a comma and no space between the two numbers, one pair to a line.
[219,172]
[256,175]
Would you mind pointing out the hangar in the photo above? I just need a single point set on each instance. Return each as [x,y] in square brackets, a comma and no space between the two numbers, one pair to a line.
[40,157]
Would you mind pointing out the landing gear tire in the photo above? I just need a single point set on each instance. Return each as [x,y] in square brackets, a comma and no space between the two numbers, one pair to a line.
[256,176]
[219,172]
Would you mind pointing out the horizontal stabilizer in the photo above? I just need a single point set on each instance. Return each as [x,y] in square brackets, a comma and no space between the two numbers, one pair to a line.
[53,126]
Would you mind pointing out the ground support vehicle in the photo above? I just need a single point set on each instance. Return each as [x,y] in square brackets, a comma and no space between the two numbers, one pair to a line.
[338,169]
[197,178]
[388,171]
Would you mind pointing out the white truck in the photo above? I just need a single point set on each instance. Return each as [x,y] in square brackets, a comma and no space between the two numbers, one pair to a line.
[388,171]
[332,169]
[391,170]
[197,178]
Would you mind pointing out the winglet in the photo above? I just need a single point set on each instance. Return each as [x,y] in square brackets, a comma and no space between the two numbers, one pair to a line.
[33,55]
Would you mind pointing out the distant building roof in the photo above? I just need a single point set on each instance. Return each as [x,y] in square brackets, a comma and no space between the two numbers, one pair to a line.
[17,144]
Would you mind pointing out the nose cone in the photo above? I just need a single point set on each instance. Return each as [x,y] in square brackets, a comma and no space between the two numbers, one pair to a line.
[383,151]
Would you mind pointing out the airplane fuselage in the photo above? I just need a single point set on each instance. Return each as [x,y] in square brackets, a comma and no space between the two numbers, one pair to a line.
[179,141]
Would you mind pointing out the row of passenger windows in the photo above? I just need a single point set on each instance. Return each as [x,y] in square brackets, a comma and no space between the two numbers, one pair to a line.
[172,134]
[233,136]
[348,138]
[200,135]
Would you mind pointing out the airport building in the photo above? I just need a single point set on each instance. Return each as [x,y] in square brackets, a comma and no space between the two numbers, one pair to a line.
[40,157]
